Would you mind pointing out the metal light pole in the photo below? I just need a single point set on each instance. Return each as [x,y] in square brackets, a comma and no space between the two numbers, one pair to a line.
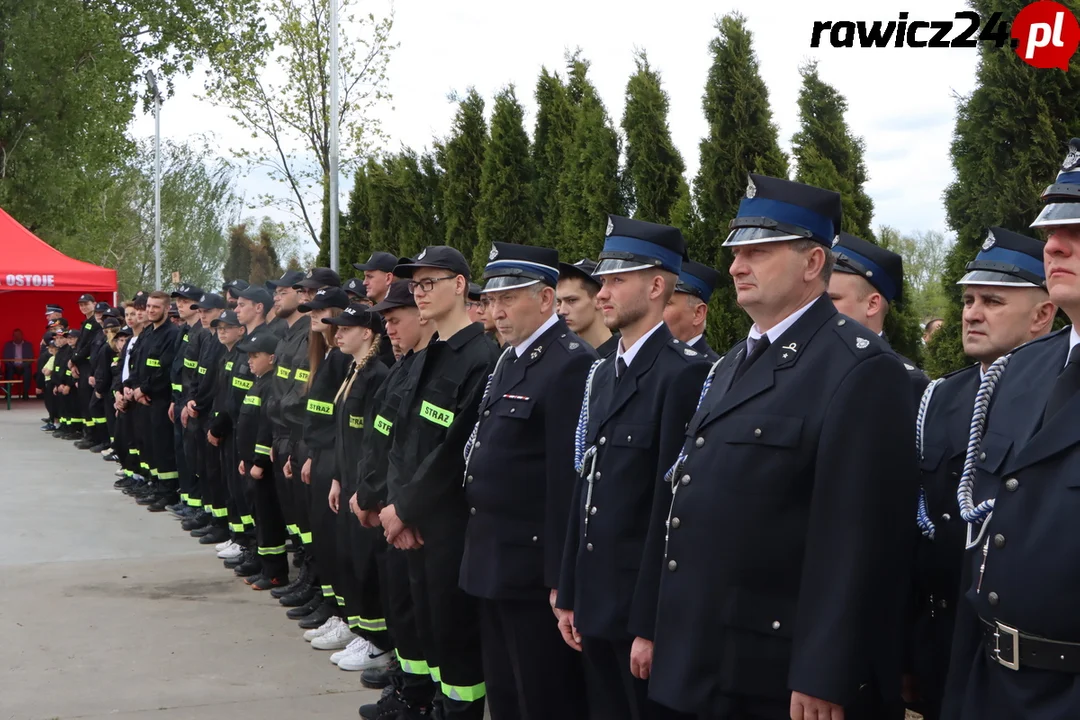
[334,119]
[152,81]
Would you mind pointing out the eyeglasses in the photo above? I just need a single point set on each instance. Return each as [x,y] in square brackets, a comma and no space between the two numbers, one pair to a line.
[474,304]
[427,285]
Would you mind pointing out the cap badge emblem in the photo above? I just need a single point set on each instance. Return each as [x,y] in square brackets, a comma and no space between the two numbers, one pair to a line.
[573,346]
[309,273]
[350,311]
[990,240]
[862,343]
[610,228]
[1072,160]
[494,252]
[751,190]
[422,254]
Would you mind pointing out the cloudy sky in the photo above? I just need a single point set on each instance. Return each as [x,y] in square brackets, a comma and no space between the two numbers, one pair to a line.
[902,101]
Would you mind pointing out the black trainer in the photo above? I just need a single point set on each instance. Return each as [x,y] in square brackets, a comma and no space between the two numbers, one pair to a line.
[266,583]
[394,707]
[379,678]
[315,619]
[215,536]
[301,597]
[302,579]
[303,611]
[251,566]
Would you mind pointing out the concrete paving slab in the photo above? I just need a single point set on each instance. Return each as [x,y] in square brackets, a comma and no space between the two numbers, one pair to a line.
[111,611]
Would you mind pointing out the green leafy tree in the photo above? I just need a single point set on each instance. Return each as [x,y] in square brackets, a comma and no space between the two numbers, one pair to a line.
[654,168]
[505,211]
[463,162]
[552,137]
[742,138]
[238,257]
[589,184]
[824,138]
[1010,138]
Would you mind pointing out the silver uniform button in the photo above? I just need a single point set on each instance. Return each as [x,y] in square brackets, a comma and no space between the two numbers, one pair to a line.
[841,321]
[487,413]
[982,456]
[1012,484]
[513,410]
[946,517]
[597,476]
[775,624]
[675,523]
[993,599]
[535,538]
[700,442]
[685,480]
[672,565]
[472,511]
[629,438]
[589,547]
[999,541]
[592,510]
[757,432]
[468,479]
[603,440]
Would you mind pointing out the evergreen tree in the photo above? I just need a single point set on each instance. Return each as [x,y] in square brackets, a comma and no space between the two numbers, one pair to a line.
[403,220]
[1010,138]
[506,210]
[431,183]
[654,168]
[589,184]
[552,135]
[356,231]
[824,137]
[238,260]
[742,139]
[463,161]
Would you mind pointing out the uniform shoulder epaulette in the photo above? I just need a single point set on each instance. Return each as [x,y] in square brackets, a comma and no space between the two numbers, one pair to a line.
[858,339]
[1045,338]
[961,371]
[572,344]
[684,351]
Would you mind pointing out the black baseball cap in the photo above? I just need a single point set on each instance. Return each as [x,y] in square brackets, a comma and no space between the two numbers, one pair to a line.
[109,322]
[188,292]
[62,322]
[381,261]
[125,331]
[258,294]
[260,341]
[86,297]
[474,292]
[319,277]
[174,311]
[355,286]
[139,301]
[291,278]
[48,337]
[397,296]
[114,313]
[357,315]
[436,256]
[326,298]
[583,270]
[101,307]
[235,287]
[227,317]
[74,332]
[210,301]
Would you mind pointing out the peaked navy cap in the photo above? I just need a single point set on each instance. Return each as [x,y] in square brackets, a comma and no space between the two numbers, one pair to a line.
[880,267]
[1007,258]
[511,266]
[638,245]
[1062,199]
[775,210]
[697,279]
[583,269]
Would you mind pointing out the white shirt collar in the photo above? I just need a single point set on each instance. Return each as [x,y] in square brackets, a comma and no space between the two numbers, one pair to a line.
[524,347]
[1074,340]
[777,330]
[628,354]
[695,340]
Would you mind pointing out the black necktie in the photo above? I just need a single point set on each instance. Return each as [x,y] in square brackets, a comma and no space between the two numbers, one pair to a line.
[759,349]
[1066,385]
[620,369]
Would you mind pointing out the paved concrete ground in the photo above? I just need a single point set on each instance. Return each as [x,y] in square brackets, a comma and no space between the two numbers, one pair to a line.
[110,611]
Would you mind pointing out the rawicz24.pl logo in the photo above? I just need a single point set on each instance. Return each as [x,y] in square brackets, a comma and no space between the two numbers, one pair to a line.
[1045,34]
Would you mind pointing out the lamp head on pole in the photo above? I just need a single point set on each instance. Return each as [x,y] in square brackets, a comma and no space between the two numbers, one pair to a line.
[151,81]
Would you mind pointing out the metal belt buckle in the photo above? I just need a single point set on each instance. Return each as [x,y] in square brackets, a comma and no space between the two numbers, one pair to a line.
[1015,635]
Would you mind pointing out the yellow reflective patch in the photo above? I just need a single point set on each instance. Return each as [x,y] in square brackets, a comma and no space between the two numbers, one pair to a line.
[262,450]
[383,425]
[202,371]
[302,375]
[228,366]
[356,421]
[320,408]
[190,363]
[252,400]
[177,388]
[242,384]
[283,372]
[185,337]
[436,414]
[151,362]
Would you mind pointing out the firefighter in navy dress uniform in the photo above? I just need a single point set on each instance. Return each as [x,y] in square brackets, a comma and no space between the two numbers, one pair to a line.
[868,282]
[519,478]
[637,403]
[686,312]
[1005,305]
[1016,651]
[778,552]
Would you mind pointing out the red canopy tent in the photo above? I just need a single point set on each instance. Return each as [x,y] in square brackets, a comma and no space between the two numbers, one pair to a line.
[34,274]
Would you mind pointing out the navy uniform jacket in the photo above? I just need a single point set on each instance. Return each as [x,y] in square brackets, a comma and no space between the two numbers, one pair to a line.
[637,427]
[787,563]
[1030,581]
[520,478]
[938,560]
[917,377]
[702,346]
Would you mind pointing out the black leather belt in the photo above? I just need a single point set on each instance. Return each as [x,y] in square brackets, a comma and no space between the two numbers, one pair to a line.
[1013,649]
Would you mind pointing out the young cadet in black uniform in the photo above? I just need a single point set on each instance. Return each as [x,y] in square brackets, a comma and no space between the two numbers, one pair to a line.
[358,335]
[122,437]
[46,352]
[253,448]
[132,368]
[519,477]
[1005,306]
[782,555]
[155,392]
[1016,652]
[686,312]
[182,374]
[102,364]
[316,455]
[89,337]
[229,487]
[868,282]
[426,512]
[64,388]
[575,298]
[410,677]
[635,408]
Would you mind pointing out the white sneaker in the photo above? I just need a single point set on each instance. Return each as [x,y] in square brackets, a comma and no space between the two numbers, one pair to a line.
[231,552]
[336,639]
[369,657]
[222,545]
[323,629]
[358,644]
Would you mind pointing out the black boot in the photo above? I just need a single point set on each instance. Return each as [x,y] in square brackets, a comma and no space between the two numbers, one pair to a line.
[394,707]
[378,678]
[303,611]
[200,519]
[249,567]
[301,596]
[164,500]
[215,536]
[302,579]
[320,615]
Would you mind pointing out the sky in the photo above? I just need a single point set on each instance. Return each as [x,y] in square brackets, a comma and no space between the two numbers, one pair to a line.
[902,101]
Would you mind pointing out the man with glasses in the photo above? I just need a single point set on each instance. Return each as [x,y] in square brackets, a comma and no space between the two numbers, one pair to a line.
[426,511]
